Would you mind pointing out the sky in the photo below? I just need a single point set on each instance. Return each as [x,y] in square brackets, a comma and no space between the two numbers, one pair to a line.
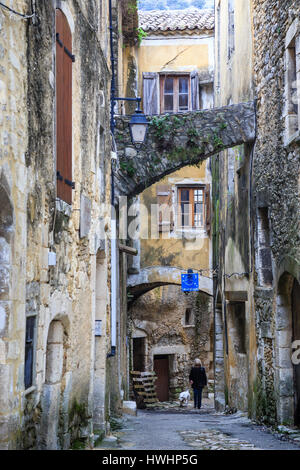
[174,4]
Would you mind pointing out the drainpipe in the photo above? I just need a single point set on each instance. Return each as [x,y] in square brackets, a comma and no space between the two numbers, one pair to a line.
[113,323]
[113,307]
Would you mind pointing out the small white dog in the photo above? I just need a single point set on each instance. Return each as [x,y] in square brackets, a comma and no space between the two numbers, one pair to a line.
[184,398]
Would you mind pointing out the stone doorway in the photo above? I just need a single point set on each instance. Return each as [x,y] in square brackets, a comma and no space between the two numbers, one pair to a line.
[237,345]
[100,378]
[139,350]
[54,420]
[287,331]
[296,337]
[161,369]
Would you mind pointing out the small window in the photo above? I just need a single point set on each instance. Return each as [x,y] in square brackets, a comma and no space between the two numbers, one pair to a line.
[292,87]
[29,351]
[175,93]
[238,331]
[191,207]
[264,268]
[231,28]
[188,319]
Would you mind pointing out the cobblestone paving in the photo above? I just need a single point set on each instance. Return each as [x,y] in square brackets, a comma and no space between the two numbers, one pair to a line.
[171,427]
[214,440]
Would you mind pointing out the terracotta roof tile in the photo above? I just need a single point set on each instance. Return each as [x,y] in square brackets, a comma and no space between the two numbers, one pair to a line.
[176,20]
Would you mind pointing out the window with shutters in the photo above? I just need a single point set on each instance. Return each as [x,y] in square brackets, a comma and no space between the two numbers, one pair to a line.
[231,28]
[170,93]
[64,59]
[193,207]
[29,351]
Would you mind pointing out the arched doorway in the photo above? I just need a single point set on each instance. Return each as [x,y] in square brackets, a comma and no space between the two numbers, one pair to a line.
[287,331]
[296,337]
[169,330]
[100,342]
[54,422]
[6,230]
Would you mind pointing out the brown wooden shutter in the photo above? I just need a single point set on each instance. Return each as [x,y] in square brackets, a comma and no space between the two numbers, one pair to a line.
[150,93]
[195,91]
[207,209]
[63,108]
[165,212]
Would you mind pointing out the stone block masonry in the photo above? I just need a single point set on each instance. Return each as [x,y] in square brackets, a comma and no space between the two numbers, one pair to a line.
[177,140]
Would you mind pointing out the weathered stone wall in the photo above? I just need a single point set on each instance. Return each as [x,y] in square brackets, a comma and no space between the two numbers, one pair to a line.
[13,213]
[276,177]
[179,140]
[256,224]
[57,410]
[232,186]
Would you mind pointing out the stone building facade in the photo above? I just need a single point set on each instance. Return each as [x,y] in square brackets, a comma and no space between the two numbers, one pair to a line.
[276,209]
[256,223]
[168,328]
[62,367]
[234,308]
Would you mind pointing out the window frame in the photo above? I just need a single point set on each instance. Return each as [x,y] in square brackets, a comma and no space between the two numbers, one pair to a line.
[30,386]
[292,75]
[231,30]
[191,189]
[175,94]
[191,322]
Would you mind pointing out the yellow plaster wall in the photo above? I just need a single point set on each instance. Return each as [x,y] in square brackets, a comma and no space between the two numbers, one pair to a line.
[171,249]
[174,54]
[161,54]
[235,73]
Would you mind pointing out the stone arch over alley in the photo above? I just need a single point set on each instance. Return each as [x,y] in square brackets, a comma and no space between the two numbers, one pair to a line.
[173,142]
[155,276]
[169,328]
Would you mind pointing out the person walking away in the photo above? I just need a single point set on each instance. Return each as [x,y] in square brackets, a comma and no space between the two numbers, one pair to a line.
[198,380]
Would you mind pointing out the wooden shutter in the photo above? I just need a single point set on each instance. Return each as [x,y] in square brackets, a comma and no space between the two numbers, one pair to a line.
[207,209]
[165,212]
[195,91]
[150,93]
[63,108]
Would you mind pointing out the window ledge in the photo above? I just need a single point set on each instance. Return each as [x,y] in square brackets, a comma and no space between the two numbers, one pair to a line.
[63,207]
[191,231]
[29,390]
[294,139]
[188,326]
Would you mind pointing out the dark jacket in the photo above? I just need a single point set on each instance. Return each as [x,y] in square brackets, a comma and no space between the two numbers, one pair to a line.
[198,376]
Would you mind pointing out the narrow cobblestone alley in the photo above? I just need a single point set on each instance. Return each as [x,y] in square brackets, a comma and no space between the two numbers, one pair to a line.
[186,429]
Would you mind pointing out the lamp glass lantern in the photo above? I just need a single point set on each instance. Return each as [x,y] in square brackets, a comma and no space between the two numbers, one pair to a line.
[138,126]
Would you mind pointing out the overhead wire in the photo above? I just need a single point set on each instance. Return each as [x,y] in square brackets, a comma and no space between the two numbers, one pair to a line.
[11,10]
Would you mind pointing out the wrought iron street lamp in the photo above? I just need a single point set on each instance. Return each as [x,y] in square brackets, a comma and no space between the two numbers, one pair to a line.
[138,124]
[138,127]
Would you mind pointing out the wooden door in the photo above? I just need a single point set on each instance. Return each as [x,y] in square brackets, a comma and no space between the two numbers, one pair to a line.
[63,107]
[296,336]
[161,369]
